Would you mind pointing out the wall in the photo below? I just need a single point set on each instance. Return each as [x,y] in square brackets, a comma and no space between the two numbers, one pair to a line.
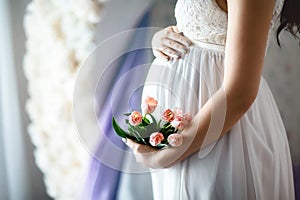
[282,72]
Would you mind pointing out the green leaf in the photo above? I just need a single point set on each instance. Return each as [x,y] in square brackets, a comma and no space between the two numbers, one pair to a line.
[118,129]
[137,135]
[153,119]
[127,114]
[132,131]
[140,129]
[167,126]
[145,122]
[159,123]
[160,146]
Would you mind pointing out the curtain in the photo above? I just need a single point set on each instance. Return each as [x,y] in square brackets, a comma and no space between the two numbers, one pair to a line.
[13,166]
[102,181]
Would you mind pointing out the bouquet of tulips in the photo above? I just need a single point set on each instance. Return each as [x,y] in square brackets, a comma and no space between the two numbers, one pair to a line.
[145,129]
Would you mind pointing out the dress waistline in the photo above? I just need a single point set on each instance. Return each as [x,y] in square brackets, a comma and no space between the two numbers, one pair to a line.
[205,45]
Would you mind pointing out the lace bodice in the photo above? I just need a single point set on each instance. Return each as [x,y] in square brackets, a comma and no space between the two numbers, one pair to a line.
[205,21]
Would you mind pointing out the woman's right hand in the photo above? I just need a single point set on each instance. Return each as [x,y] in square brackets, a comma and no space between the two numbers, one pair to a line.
[170,44]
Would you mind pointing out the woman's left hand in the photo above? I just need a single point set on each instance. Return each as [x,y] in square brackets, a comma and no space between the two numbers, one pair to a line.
[144,154]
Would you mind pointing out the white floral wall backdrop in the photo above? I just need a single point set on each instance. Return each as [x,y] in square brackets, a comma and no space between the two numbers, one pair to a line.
[60,34]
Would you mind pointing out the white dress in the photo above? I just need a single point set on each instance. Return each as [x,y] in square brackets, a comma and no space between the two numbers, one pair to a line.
[253,160]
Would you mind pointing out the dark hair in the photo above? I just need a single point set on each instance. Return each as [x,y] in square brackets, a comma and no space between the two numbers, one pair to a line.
[289,19]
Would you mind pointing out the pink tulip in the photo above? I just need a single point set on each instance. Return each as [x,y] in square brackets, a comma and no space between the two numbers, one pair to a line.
[175,140]
[168,115]
[149,105]
[181,121]
[135,118]
[178,123]
[156,138]
[177,112]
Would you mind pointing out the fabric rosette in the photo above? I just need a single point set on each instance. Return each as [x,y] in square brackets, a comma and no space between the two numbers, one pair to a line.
[158,133]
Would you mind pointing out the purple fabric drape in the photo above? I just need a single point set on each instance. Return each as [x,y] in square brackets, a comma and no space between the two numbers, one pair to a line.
[102,181]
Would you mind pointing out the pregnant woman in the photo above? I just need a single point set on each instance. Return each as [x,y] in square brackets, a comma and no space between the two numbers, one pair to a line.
[210,65]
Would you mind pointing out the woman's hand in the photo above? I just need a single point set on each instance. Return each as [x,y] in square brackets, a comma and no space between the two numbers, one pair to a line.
[144,154]
[169,43]
[157,159]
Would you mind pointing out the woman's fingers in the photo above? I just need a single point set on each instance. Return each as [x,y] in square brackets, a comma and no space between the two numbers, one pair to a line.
[175,46]
[131,144]
[169,44]
[170,49]
[161,55]
[170,52]
[144,154]
[136,147]
[175,29]
[179,39]
[139,148]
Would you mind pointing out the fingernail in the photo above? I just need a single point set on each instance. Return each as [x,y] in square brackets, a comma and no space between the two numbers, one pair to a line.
[176,56]
[124,140]
[187,44]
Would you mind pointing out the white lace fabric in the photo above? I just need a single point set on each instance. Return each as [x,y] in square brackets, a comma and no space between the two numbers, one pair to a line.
[205,21]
